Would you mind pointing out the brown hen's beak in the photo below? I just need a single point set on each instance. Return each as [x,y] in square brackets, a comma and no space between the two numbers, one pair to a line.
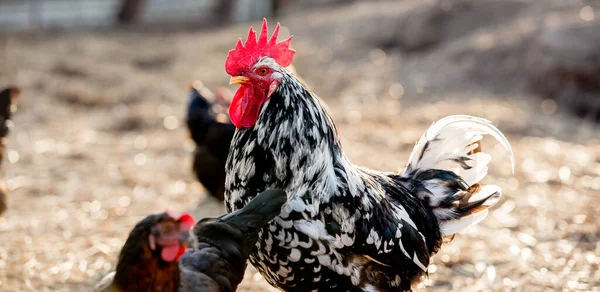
[238,80]
[187,239]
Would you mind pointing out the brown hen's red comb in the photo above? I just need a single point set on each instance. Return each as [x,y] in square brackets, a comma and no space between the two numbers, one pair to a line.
[186,220]
[244,56]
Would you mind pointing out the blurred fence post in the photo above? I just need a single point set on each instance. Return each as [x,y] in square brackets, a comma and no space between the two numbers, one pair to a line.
[130,11]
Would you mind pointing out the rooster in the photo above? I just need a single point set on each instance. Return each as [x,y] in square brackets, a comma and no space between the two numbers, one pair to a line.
[344,227]
[211,130]
[156,256]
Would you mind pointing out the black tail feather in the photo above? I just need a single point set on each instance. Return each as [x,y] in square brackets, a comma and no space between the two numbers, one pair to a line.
[225,243]
[262,209]
[237,232]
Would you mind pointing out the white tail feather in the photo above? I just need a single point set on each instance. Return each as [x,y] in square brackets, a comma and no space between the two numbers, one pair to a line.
[454,226]
[449,145]
[491,192]
[446,144]
[485,192]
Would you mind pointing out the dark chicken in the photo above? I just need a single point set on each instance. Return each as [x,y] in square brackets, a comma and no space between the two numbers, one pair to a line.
[160,253]
[210,128]
[8,97]
[344,227]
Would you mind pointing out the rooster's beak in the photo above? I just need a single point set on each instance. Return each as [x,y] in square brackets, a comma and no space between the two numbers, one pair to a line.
[238,80]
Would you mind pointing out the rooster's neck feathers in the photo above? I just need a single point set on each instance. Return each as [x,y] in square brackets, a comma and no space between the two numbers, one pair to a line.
[295,133]
[299,112]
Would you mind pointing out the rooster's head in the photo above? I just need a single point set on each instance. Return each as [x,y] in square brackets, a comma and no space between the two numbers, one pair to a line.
[257,67]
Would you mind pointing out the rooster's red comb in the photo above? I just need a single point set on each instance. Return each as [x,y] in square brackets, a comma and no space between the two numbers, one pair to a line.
[244,56]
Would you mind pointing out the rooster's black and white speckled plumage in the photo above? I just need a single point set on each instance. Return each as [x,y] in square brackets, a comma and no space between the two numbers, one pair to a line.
[345,227]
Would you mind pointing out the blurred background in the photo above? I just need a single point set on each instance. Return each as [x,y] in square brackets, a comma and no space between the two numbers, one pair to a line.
[99,139]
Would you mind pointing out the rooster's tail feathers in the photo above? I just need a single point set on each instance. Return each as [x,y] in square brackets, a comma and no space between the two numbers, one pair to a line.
[469,208]
[449,144]
[447,165]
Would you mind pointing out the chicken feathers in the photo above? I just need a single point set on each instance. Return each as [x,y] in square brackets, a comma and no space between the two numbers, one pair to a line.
[8,98]
[211,130]
[216,264]
[453,144]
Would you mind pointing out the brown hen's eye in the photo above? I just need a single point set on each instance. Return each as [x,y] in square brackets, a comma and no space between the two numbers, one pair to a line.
[262,71]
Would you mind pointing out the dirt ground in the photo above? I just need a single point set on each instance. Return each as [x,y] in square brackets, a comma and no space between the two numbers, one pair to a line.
[99,140]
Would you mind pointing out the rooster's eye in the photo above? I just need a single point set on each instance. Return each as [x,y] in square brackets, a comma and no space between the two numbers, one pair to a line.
[262,71]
